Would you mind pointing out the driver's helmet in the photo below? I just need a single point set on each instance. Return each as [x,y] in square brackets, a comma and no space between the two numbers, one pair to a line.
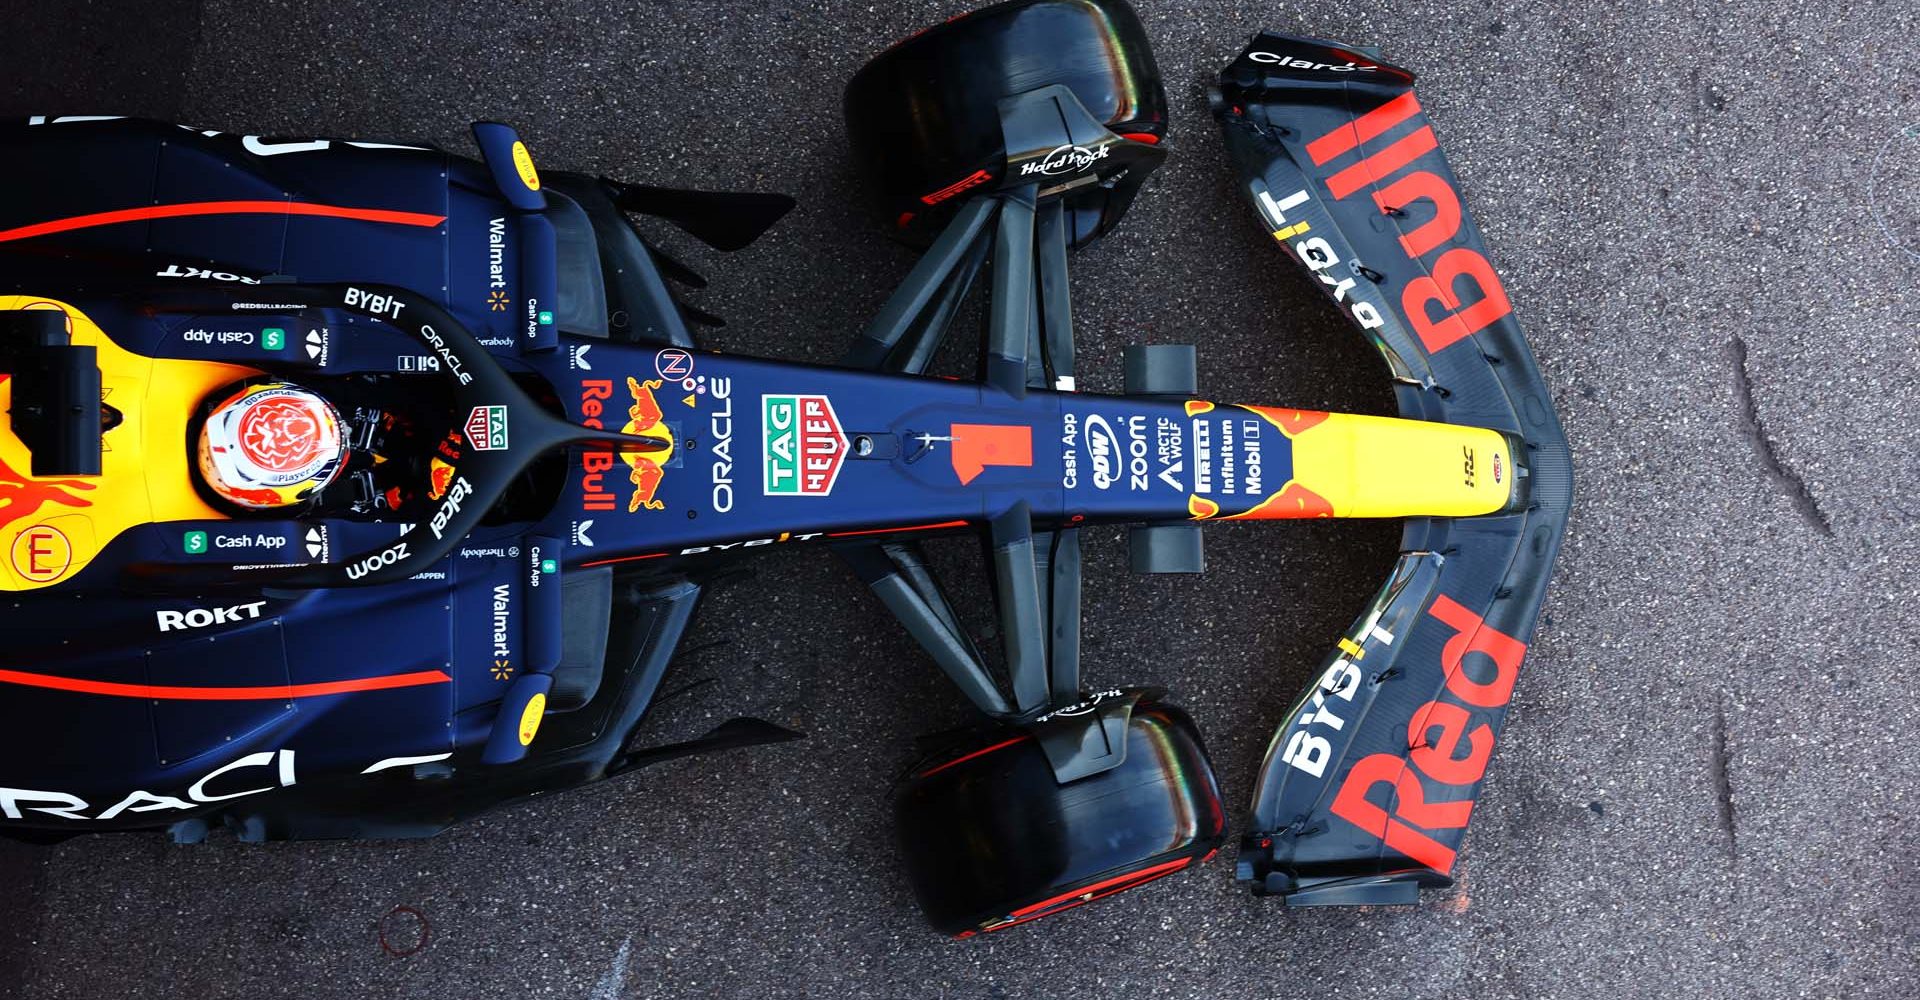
[270,446]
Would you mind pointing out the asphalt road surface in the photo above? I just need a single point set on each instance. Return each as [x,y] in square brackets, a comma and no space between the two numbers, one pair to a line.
[1708,217]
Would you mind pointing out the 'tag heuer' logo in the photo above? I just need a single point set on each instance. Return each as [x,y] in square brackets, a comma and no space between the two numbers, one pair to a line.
[803,446]
[487,428]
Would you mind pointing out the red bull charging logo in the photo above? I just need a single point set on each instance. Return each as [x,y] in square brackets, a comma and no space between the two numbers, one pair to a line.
[40,553]
[645,471]
[22,497]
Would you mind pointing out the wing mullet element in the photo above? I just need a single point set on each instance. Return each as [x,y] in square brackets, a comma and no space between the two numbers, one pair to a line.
[1367,786]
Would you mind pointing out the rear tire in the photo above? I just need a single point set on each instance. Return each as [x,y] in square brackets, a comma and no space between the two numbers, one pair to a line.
[924,115]
[991,840]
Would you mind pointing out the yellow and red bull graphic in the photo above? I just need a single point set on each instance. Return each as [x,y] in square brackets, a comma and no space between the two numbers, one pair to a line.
[22,496]
[441,466]
[599,481]
[1341,465]
[52,527]
[1228,461]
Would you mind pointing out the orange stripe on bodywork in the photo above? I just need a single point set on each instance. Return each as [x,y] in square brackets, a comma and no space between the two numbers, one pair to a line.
[270,692]
[1089,894]
[983,751]
[1293,501]
[971,180]
[1141,874]
[1383,163]
[889,531]
[622,559]
[1363,128]
[1290,421]
[151,212]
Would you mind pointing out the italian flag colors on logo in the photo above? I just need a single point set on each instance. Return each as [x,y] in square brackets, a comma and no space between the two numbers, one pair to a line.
[803,445]
[487,428]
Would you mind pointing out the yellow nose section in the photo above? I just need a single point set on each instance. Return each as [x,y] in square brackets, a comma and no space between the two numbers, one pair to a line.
[1386,467]
[52,527]
[1347,465]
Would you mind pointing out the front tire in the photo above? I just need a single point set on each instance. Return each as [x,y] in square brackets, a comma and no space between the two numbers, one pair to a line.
[991,840]
[924,116]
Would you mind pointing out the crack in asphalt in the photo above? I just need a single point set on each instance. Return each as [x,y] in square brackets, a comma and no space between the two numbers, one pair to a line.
[1788,480]
[1718,772]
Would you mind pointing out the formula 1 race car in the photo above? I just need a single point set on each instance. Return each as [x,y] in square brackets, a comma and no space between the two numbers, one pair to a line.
[348,489]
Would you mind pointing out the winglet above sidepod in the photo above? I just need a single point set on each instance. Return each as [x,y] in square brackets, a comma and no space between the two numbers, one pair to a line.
[1368,784]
